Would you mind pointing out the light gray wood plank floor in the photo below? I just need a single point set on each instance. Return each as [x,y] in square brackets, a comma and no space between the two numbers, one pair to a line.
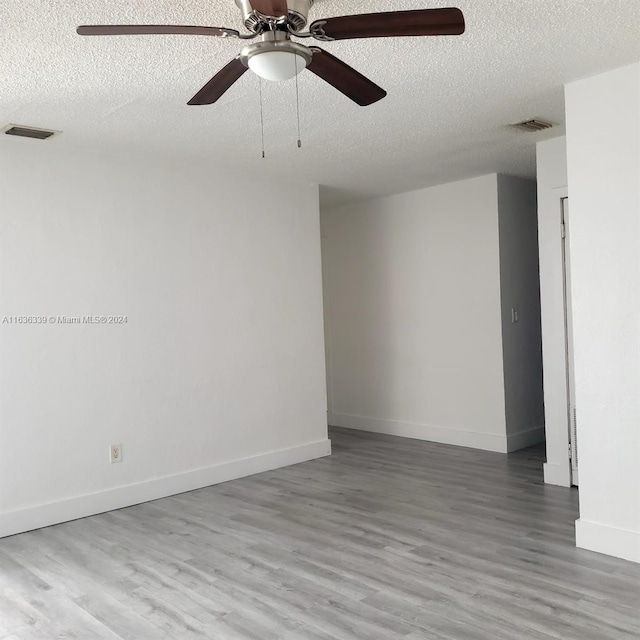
[388,538]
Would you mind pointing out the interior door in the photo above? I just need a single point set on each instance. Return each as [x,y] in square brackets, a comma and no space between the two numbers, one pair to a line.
[571,389]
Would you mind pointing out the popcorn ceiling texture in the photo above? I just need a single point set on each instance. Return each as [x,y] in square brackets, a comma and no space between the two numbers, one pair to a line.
[444,119]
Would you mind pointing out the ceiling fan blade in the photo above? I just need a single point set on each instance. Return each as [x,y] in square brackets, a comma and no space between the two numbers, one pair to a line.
[345,78]
[219,84]
[422,22]
[276,8]
[151,29]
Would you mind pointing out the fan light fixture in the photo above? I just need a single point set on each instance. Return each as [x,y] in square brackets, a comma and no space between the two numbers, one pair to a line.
[276,58]
[277,65]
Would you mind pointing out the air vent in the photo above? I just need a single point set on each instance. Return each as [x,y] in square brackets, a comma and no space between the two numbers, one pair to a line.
[28,132]
[534,125]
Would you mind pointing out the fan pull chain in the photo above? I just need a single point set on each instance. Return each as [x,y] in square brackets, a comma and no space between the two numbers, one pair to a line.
[262,119]
[298,105]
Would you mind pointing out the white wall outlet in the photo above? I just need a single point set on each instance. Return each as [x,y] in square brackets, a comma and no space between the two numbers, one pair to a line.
[115,453]
[515,315]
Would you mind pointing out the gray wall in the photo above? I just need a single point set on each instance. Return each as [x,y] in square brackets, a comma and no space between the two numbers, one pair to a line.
[520,288]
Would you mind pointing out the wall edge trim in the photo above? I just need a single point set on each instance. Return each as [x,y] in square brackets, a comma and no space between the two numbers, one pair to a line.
[612,541]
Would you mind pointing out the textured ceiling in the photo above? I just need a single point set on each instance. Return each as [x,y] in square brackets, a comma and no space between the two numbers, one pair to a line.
[445,117]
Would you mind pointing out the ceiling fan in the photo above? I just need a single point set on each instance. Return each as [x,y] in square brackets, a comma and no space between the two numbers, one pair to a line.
[276,57]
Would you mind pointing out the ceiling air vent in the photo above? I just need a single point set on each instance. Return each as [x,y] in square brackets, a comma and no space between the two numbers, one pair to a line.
[533,125]
[28,132]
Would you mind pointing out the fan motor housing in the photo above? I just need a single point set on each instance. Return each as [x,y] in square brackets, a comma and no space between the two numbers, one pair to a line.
[297,19]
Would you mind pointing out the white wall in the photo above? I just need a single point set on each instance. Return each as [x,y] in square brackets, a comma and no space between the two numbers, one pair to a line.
[520,289]
[413,320]
[603,145]
[552,186]
[219,371]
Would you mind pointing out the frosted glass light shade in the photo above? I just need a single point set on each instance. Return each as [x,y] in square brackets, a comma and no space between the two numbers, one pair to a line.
[277,65]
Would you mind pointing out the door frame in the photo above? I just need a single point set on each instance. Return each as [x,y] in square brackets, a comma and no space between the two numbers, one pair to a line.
[565,221]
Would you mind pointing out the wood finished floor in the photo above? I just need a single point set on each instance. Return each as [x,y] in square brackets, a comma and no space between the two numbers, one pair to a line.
[388,538]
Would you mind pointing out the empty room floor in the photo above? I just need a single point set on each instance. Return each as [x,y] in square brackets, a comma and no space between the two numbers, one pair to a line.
[388,538]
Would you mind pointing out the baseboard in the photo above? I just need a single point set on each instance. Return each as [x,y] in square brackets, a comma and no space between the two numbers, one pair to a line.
[524,439]
[611,541]
[444,435]
[558,474]
[46,515]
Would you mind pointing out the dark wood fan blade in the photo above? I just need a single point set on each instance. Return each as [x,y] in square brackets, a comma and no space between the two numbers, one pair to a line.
[345,78]
[274,8]
[423,22]
[219,84]
[154,29]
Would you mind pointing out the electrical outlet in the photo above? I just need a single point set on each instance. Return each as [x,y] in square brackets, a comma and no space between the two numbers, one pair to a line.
[115,453]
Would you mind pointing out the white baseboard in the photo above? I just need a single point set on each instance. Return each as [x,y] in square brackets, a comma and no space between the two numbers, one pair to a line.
[524,439]
[46,515]
[558,474]
[611,541]
[444,435]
